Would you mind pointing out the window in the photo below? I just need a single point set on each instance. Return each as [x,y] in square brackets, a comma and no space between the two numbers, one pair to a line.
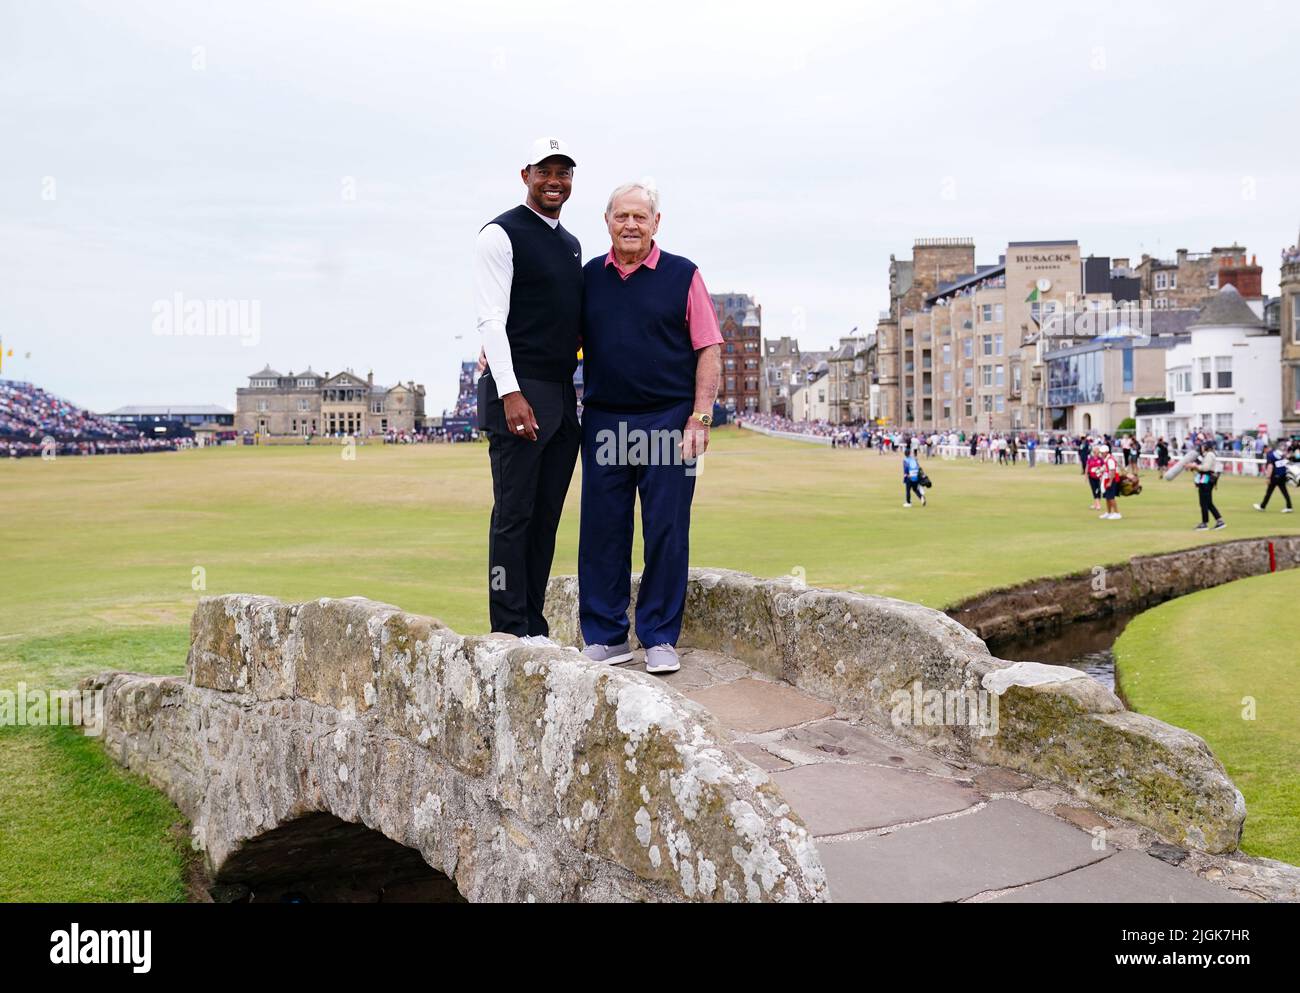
[997,344]
[1223,372]
[304,404]
[999,377]
[947,382]
[1015,378]
[986,375]
[947,354]
[968,345]
[1212,280]
[1162,280]
[1295,389]
[986,312]
[1295,318]
[1173,280]
[947,410]
[1223,422]
[1207,375]
[969,404]
[1128,370]
[1162,303]
[263,406]
[999,311]
[987,344]
[988,404]
[999,403]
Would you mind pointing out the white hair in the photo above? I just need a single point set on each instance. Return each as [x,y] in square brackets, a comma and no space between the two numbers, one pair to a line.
[645,186]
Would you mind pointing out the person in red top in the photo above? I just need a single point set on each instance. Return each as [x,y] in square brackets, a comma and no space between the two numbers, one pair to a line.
[1109,483]
[1093,472]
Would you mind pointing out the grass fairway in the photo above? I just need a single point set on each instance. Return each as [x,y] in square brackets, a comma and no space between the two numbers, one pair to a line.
[103,559]
[1198,661]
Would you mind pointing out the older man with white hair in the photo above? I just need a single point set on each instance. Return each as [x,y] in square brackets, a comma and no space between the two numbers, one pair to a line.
[651,364]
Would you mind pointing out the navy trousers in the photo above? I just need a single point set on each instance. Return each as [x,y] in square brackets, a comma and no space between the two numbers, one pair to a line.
[613,473]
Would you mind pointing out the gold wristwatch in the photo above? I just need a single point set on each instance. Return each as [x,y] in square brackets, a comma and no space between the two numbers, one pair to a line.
[705,419]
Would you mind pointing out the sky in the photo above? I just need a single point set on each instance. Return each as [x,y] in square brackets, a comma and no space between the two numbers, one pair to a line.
[328,165]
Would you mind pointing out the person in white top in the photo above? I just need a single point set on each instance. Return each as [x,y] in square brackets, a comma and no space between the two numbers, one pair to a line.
[528,296]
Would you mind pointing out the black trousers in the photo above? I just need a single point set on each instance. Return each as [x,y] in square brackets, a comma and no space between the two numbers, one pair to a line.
[530,480]
[1206,492]
[1276,483]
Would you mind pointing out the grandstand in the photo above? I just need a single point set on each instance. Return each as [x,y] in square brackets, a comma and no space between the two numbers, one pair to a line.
[29,415]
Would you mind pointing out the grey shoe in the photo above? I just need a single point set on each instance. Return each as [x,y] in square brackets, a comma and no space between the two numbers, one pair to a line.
[661,659]
[609,654]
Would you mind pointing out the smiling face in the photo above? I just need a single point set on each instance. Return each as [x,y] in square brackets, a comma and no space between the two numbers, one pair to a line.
[549,182]
[632,225]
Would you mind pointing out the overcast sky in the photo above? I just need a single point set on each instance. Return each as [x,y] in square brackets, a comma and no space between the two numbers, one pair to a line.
[333,162]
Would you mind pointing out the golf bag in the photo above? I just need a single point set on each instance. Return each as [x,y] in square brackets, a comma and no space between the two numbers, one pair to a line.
[1129,483]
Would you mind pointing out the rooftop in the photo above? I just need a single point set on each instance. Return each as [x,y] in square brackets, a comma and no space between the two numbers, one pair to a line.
[1227,309]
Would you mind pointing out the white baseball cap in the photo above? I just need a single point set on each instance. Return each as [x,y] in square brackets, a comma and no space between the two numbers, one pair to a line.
[544,148]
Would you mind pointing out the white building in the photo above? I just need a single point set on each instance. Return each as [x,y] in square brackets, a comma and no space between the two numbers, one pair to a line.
[1224,377]
[809,402]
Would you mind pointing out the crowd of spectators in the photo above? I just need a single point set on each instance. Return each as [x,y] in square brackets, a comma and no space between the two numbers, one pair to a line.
[1008,447]
[34,422]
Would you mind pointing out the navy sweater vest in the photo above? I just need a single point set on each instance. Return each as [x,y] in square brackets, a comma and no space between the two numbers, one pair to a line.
[545,297]
[636,347]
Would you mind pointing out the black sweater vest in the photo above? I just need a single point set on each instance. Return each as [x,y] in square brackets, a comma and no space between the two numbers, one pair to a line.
[545,297]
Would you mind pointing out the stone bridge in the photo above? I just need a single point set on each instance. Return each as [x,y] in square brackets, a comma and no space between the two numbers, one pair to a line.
[800,754]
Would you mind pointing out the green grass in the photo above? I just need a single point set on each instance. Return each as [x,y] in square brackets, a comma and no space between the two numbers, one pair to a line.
[1199,661]
[102,560]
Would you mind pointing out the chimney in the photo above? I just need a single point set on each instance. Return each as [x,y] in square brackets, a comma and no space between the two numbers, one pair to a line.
[1182,255]
[1248,279]
[370,379]
[1119,263]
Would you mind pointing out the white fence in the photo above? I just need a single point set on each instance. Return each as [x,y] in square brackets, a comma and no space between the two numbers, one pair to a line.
[816,439]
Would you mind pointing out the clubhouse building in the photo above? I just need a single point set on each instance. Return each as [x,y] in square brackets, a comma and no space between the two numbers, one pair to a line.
[309,403]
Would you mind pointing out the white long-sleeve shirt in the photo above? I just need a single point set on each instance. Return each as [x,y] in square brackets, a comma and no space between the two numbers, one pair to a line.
[494,270]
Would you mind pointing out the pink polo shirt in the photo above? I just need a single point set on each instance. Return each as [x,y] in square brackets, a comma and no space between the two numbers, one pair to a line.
[701,319]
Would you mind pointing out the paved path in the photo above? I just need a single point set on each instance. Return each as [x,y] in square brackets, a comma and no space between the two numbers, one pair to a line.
[896,823]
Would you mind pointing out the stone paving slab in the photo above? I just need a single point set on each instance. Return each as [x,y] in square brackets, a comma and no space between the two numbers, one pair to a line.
[840,739]
[1125,877]
[1006,844]
[760,756]
[838,797]
[700,668]
[754,705]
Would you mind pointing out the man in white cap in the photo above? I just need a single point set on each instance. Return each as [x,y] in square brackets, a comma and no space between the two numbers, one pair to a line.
[528,292]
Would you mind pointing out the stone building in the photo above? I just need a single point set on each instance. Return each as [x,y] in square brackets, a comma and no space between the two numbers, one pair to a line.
[1190,279]
[1289,324]
[741,322]
[965,346]
[309,403]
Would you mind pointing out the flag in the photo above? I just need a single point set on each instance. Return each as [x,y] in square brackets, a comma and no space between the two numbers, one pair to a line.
[1033,296]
